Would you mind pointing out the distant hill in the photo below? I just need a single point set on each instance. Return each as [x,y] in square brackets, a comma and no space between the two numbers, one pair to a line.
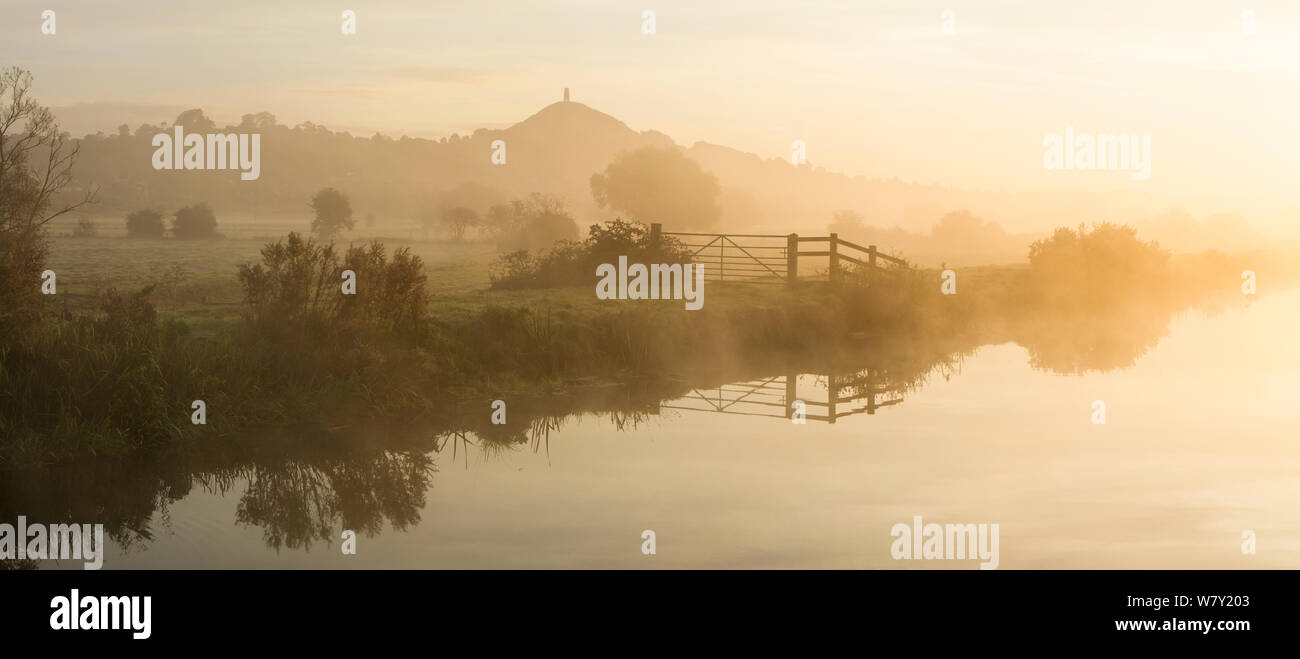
[555,151]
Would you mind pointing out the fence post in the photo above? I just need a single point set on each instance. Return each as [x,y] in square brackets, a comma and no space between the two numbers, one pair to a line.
[833,275]
[832,397]
[791,259]
[871,265]
[791,393]
[655,230]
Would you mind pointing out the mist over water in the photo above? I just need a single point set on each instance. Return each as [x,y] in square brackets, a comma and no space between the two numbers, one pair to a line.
[1197,447]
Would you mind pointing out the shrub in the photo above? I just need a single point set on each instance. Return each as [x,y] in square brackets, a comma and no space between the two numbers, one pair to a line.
[1097,267]
[390,294]
[145,223]
[573,263]
[197,221]
[537,222]
[297,282]
[298,285]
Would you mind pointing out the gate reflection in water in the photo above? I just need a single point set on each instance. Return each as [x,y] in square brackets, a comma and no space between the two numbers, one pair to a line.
[775,396]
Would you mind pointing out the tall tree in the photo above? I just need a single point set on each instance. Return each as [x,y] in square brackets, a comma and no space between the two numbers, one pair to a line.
[333,213]
[36,161]
[659,185]
[458,219]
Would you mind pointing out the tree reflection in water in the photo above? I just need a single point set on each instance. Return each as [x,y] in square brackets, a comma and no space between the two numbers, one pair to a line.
[302,488]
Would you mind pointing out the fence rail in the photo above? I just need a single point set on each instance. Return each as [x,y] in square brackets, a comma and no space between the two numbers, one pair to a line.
[774,258]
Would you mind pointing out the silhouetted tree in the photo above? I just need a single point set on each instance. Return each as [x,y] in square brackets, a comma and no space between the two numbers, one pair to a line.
[197,221]
[533,223]
[333,213]
[659,185]
[145,223]
[457,220]
[194,121]
[259,121]
[36,161]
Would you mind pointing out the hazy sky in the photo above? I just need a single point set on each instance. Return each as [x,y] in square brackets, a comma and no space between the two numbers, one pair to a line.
[873,88]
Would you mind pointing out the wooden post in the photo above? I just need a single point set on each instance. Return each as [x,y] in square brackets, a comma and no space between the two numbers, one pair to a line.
[871,265]
[722,259]
[791,259]
[833,275]
[655,230]
[791,393]
[832,396]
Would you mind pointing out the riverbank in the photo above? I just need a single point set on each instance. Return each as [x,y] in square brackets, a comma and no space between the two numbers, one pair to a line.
[127,378]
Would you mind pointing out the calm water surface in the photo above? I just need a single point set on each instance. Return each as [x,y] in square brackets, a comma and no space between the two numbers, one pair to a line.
[1200,444]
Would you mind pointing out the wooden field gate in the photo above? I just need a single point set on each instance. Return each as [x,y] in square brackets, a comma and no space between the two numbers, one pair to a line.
[774,258]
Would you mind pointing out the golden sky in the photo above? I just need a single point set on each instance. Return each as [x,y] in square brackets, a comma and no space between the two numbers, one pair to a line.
[874,88]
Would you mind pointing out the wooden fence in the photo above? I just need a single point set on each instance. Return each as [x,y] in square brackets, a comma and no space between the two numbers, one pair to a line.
[775,258]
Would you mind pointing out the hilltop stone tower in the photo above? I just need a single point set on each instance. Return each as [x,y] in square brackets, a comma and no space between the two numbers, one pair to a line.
[566,94]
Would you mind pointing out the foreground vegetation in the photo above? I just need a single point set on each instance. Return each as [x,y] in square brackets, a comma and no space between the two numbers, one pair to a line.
[118,375]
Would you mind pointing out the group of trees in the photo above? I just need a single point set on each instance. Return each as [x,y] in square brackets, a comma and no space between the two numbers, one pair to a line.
[648,185]
[389,176]
[191,222]
[536,221]
[384,172]
[644,185]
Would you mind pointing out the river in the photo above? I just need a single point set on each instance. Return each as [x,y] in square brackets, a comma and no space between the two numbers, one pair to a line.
[1199,447]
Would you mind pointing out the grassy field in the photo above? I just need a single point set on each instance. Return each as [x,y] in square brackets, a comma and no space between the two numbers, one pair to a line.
[197,278]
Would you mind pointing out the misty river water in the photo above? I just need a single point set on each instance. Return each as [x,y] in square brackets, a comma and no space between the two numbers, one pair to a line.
[1199,445]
